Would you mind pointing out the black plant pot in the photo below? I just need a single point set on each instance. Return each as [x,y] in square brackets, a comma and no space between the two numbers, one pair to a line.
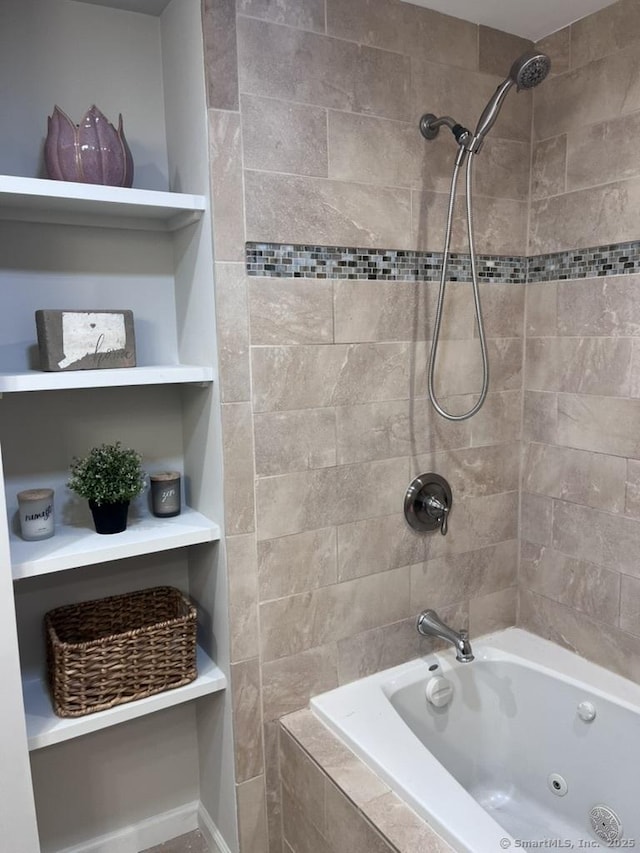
[110,518]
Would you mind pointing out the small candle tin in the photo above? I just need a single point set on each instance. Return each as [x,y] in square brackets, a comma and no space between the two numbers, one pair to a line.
[165,493]
[35,509]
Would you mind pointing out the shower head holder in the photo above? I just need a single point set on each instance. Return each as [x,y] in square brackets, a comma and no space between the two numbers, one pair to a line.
[430,126]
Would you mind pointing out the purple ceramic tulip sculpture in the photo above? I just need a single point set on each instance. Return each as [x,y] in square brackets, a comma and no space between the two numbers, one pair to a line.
[92,152]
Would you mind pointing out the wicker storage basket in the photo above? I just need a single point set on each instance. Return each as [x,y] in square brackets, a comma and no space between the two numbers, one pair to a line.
[113,650]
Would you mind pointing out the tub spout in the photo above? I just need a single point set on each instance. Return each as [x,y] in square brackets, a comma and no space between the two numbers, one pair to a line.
[429,624]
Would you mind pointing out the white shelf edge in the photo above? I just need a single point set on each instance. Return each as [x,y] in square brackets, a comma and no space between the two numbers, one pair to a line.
[44,728]
[164,374]
[72,547]
[69,203]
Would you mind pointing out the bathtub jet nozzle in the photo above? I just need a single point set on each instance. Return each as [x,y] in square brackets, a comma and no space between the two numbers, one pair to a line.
[429,624]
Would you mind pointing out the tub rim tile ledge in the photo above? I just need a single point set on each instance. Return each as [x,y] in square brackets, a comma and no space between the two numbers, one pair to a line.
[303,727]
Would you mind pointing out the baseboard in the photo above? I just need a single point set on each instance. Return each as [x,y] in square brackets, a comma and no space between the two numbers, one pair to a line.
[147,833]
[156,830]
[211,832]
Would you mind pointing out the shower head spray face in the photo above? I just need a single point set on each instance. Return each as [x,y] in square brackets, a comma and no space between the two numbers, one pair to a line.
[530,70]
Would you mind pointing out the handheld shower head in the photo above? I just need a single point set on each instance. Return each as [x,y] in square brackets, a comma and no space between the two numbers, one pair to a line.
[527,71]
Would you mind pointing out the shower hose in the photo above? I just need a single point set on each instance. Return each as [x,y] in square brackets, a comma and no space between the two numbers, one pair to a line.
[476,293]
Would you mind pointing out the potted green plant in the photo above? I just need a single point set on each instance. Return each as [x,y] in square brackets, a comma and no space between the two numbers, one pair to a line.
[109,477]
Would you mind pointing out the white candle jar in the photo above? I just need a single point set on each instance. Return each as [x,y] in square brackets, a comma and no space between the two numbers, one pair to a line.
[35,509]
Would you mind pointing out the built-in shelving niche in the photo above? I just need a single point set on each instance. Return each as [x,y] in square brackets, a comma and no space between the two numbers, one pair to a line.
[123,773]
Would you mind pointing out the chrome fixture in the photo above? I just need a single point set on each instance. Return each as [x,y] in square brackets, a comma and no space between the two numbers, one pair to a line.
[526,72]
[427,503]
[429,624]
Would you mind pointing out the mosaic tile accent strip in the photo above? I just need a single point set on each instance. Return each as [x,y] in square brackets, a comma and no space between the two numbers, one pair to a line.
[613,259]
[287,260]
[297,261]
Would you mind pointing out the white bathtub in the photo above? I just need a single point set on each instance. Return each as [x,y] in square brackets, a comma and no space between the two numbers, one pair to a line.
[481,770]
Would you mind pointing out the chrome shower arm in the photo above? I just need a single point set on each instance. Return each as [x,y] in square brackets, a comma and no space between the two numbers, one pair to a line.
[430,125]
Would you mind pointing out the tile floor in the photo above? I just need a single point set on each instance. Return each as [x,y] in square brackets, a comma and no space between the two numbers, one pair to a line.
[192,842]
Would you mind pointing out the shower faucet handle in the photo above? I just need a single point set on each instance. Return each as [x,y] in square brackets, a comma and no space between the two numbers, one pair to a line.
[439,510]
[427,503]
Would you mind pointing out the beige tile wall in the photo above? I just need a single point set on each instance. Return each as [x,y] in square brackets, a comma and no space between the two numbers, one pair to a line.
[586,172]
[314,139]
[313,114]
[580,527]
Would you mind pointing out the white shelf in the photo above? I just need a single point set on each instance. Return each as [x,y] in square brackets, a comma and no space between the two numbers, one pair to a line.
[79,546]
[69,203]
[144,7]
[164,374]
[44,728]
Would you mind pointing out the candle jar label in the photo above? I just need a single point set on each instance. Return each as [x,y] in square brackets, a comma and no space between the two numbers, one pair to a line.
[35,510]
[165,494]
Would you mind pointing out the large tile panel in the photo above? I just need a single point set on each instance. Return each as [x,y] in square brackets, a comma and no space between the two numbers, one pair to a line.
[379,648]
[500,224]
[541,309]
[475,471]
[286,63]
[609,541]
[299,622]
[493,611]
[463,94]
[600,90]
[601,643]
[557,46]
[242,569]
[297,563]
[579,365]
[590,150]
[221,57]
[238,471]
[599,306]
[400,311]
[233,332]
[459,577]
[291,209]
[345,828]
[289,683]
[579,584]
[280,136]
[247,730]
[375,545]
[592,479]
[498,50]
[294,441]
[540,417]
[379,151]
[225,157]
[252,816]
[559,223]
[305,14]
[292,503]
[405,28]
[314,376]
[602,424]
[549,167]
[605,32]
[290,311]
